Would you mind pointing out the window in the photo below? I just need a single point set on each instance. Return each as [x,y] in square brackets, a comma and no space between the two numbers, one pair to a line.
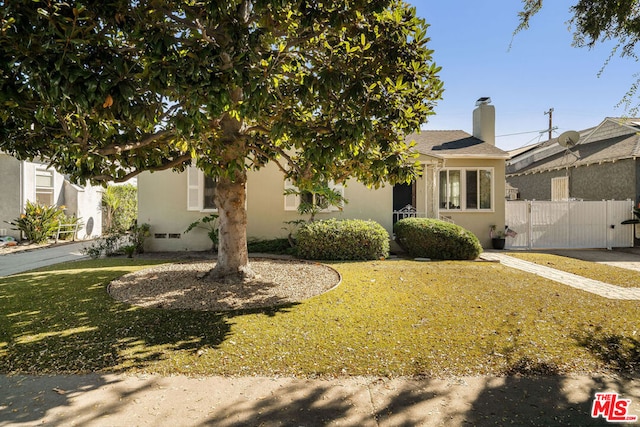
[292,201]
[560,188]
[466,189]
[44,187]
[200,191]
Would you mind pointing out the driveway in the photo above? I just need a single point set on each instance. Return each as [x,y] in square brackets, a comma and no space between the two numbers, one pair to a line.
[22,261]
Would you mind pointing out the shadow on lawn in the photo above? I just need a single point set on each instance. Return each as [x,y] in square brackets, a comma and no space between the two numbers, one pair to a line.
[618,352]
[64,321]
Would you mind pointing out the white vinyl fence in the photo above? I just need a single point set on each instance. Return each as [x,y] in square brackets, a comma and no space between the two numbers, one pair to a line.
[569,224]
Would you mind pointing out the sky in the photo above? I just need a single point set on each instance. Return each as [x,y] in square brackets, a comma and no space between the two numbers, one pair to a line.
[541,70]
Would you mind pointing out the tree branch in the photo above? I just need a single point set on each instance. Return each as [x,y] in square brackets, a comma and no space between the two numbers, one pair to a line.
[169,165]
[118,149]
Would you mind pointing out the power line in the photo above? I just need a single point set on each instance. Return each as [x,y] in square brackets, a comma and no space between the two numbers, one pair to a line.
[523,133]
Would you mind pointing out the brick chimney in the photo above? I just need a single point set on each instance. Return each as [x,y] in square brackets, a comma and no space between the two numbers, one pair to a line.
[484,121]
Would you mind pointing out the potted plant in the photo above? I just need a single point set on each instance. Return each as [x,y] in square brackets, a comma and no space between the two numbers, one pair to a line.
[498,237]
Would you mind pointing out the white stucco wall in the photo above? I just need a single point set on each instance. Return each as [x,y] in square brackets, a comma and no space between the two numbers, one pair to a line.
[10,201]
[479,222]
[18,185]
[162,203]
[86,204]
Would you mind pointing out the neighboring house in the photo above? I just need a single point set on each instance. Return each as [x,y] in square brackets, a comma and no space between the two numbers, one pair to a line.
[463,181]
[24,181]
[603,165]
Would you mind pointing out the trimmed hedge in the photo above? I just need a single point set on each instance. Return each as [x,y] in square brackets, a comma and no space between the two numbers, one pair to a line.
[350,239]
[432,238]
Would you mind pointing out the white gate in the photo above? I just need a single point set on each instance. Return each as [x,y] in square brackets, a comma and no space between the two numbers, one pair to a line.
[570,224]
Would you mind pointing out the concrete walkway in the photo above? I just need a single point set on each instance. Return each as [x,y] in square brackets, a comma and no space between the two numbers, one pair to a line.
[176,401]
[22,261]
[594,286]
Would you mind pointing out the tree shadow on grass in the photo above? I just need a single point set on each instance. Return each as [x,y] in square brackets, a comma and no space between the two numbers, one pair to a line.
[63,321]
[619,353]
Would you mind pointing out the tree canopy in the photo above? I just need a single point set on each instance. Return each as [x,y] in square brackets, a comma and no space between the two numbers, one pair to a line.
[107,89]
[597,21]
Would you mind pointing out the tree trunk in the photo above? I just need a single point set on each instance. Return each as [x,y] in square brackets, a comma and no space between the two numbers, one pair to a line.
[233,257]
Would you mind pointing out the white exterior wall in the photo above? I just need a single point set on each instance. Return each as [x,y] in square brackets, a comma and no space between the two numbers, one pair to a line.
[18,185]
[10,200]
[85,203]
[29,183]
[162,203]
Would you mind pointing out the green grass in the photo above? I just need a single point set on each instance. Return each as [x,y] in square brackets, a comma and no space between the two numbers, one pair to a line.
[388,318]
[605,273]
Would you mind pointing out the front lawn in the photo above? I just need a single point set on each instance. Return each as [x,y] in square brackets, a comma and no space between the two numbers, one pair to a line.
[605,273]
[387,318]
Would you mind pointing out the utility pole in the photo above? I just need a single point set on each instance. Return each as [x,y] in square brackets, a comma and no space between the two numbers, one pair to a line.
[550,113]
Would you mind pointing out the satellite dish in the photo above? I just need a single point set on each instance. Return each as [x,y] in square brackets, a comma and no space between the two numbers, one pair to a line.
[569,138]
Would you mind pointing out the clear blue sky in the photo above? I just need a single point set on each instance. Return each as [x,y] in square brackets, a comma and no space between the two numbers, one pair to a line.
[541,70]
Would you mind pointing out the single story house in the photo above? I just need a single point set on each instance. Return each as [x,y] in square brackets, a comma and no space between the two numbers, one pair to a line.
[463,182]
[604,164]
[24,181]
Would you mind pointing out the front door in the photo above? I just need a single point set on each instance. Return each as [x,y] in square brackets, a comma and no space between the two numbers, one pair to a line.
[403,195]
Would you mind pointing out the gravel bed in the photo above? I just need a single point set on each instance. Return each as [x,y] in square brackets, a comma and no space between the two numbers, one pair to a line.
[177,286]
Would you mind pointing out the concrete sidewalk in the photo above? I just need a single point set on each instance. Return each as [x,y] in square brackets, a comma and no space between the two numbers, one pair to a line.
[22,261]
[119,400]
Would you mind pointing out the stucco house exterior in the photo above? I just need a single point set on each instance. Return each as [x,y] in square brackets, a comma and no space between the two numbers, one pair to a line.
[24,181]
[462,181]
[603,165]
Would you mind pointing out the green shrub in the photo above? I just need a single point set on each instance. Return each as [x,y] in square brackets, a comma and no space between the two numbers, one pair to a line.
[38,222]
[117,243]
[209,223]
[271,246]
[432,238]
[342,240]
[120,204]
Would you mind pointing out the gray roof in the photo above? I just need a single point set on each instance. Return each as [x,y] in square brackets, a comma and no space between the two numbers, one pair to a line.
[454,143]
[614,139]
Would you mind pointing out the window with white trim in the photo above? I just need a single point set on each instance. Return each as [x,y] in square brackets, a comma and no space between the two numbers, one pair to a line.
[560,188]
[200,191]
[292,201]
[466,189]
[44,187]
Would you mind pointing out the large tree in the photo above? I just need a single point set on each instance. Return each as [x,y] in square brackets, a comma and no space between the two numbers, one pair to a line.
[597,21]
[107,89]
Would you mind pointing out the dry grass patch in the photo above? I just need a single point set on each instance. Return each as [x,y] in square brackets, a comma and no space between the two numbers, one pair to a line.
[391,318]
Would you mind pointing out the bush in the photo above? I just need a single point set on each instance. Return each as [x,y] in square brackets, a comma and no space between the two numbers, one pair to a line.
[351,239]
[271,246]
[120,204]
[432,238]
[209,223]
[38,222]
[118,243]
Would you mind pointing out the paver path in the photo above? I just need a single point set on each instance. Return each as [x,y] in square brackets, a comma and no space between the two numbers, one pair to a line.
[602,289]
